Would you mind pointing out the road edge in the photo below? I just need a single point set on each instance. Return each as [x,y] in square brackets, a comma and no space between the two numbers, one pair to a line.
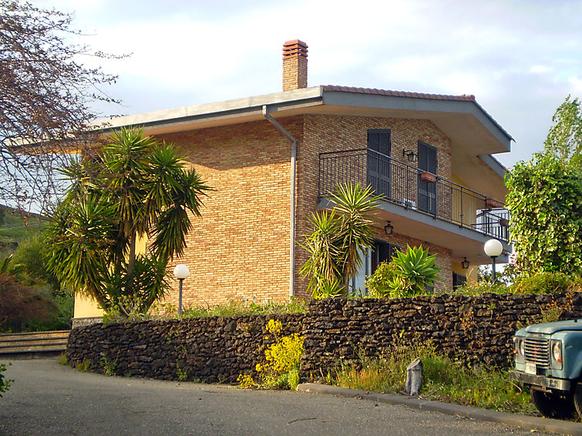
[528,422]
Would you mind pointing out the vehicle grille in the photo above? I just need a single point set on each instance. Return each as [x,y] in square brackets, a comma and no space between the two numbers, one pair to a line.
[537,350]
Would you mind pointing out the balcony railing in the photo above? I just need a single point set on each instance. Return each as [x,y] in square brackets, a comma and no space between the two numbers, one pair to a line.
[415,189]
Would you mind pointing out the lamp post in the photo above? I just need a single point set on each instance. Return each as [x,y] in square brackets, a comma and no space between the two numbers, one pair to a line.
[181,272]
[493,248]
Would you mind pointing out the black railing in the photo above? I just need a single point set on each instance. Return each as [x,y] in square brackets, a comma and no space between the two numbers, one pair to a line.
[415,189]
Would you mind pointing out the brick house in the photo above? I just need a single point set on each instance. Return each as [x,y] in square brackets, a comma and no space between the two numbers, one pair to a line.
[272,158]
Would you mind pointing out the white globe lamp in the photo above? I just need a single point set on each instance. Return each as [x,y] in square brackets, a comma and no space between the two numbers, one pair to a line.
[493,248]
[181,272]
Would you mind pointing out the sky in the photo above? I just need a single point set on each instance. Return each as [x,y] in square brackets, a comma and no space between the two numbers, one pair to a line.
[520,58]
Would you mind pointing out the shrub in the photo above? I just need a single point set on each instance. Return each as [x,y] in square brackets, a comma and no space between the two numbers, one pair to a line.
[239,308]
[280,368]
[481,287]
[23,307]
[4,382]
[409,273]
[379,283]
[542,283]
[544,199]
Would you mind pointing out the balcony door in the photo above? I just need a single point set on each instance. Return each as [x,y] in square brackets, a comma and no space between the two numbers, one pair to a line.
[379,160]
[427,190]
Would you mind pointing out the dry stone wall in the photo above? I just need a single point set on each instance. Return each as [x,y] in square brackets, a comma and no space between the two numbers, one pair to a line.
[477,330]
[205,349]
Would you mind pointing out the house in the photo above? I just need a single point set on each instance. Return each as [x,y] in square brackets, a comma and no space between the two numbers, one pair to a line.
[272,158]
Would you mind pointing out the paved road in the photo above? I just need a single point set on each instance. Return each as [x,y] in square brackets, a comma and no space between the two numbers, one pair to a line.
[48,398]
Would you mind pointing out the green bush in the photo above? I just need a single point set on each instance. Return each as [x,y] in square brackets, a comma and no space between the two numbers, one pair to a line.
[409,273]
[444,380]
[543,283]
[482,287]
[379,283]
[239,308]
[4,382]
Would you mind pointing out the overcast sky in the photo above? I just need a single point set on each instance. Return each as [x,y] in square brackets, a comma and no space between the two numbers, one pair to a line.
[519,58]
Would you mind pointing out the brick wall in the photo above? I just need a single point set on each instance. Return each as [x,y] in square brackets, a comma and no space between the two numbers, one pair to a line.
[328,133]
[239,248]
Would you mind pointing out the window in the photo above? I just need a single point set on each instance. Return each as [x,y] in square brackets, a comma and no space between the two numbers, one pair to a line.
[458,280]
[379,149]
[427,162]
[382,252]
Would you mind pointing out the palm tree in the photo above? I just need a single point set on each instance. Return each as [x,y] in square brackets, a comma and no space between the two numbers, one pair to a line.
[337,239]
[134,188]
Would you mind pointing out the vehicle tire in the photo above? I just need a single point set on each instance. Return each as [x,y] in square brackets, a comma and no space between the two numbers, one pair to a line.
[577,397]
[552,405]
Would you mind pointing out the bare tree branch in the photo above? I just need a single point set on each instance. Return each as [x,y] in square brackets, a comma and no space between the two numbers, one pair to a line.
[46,95]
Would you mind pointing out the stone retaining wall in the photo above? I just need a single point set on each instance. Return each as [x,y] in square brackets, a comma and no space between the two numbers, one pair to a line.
[205,349]
[473,329]
[476,330]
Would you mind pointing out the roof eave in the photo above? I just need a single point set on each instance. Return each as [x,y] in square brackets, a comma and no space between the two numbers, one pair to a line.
[407,103]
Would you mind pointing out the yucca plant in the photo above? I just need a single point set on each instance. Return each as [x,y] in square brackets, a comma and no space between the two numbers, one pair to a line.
[337,238]
[135,187]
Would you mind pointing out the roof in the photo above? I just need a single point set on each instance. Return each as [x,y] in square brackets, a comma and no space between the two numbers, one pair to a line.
[318,99]
[391,93]
[414,95]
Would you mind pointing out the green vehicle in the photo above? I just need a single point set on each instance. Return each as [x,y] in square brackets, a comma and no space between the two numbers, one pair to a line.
[548,360]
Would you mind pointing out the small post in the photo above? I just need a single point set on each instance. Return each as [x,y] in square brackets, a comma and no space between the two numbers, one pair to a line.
[413,378]
[494,275]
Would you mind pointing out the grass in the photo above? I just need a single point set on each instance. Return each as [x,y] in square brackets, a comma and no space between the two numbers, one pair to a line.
[237,308]
[444,380]
[14,228]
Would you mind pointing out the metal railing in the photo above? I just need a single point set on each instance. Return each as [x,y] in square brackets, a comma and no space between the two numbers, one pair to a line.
[414,189]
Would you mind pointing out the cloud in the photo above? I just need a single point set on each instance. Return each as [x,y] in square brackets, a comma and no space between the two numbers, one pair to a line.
[519,58]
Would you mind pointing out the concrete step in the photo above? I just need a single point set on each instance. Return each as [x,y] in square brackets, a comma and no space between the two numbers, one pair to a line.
[33,344]
[33,335]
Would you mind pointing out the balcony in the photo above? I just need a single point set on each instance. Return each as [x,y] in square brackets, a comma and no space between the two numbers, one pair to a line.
[410,188]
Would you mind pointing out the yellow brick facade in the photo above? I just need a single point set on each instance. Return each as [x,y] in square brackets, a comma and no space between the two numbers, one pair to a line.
[239,248]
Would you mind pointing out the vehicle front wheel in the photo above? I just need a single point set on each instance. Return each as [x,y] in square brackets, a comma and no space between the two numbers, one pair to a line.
[552,405]
[578,399]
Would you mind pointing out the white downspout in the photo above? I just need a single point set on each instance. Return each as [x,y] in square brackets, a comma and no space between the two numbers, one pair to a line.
[293,143]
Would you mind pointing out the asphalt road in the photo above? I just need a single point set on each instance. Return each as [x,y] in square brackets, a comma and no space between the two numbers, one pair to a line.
[47,398]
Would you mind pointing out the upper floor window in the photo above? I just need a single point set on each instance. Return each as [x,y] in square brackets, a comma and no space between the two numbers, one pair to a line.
[379,140]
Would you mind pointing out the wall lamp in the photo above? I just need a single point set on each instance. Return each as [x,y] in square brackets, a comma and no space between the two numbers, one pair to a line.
[388,228]
[465,263]
[411,155]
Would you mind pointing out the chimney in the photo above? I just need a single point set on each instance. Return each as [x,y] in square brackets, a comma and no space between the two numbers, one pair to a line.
[294,65]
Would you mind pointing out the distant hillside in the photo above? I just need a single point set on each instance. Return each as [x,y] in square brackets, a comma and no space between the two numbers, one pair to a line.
[16,226]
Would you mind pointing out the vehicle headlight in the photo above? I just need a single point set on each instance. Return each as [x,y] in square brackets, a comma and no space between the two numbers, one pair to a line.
[519,345]
[556,352]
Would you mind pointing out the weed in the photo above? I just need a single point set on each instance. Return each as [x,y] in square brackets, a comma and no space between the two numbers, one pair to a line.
[83,366]
[108,365]
[181,372]
[444,380]
[63,359]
